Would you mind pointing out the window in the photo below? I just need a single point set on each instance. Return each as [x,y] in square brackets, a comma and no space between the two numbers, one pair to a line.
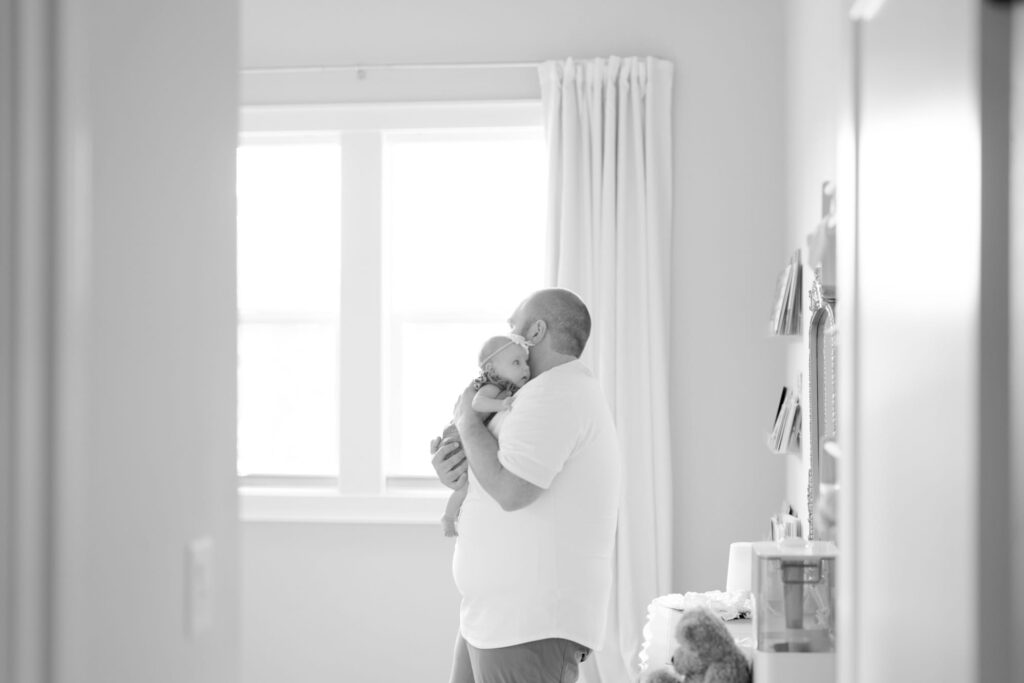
[289,202]
[378,247]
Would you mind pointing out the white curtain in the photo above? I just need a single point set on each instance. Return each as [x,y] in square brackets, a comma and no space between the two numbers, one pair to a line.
[608,128]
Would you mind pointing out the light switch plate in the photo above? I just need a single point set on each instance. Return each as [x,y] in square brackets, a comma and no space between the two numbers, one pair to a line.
[199,586]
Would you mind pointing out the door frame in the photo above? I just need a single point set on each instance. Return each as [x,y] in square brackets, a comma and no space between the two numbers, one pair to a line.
[44,200]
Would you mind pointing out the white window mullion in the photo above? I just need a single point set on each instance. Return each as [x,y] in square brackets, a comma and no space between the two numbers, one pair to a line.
[360,339]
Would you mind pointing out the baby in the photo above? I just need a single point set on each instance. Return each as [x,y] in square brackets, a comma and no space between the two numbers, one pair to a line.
[503,370]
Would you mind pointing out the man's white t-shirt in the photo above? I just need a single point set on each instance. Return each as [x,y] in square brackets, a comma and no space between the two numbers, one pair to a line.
[544,571]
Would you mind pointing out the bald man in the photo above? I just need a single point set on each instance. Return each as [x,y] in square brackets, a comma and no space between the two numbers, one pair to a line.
[533,559]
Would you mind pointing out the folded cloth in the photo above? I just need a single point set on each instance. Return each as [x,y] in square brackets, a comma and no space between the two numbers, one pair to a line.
[726,604]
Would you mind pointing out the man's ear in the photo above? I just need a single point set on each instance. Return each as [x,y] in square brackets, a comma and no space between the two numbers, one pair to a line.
[540,328]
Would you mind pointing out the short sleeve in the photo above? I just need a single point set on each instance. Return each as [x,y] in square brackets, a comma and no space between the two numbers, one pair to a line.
[539,435]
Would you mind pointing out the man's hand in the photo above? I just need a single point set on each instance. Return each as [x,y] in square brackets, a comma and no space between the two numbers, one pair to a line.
[464,407]
[449,461]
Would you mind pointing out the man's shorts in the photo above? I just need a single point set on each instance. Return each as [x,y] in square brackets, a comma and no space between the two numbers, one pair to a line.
[554,660]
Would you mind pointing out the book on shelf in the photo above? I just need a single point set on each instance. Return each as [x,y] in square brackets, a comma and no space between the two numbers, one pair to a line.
[791,319]
[791,431]
[786,312]
[782,402]
[786,425]
[781,294]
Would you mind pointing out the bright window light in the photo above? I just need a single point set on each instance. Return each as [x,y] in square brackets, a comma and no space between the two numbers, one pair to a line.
[464,219]
[289,209]
[288,399]
[289,232]
[378,247]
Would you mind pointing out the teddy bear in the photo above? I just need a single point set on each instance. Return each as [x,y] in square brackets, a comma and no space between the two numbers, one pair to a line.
[707,652]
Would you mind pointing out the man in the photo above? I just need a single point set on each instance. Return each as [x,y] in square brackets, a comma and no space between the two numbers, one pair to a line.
[533,559]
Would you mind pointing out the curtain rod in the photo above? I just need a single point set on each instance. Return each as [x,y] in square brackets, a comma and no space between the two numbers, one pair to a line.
[382,67]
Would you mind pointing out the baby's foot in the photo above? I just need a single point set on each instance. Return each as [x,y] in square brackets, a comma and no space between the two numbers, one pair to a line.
[448,524]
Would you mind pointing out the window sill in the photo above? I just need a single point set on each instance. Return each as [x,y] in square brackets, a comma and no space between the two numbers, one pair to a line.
[265,504]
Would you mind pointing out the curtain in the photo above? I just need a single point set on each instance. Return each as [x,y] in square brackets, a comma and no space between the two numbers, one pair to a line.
[608,130]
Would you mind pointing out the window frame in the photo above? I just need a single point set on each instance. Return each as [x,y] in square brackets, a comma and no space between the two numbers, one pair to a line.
[362,492]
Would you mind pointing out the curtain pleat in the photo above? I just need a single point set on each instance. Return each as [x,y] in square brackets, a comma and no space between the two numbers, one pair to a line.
[608,128]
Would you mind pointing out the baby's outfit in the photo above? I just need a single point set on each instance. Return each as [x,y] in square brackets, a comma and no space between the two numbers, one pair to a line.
[455,500]
[490,377]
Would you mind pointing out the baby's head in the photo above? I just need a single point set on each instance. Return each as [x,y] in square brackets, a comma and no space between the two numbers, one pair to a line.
[507,359]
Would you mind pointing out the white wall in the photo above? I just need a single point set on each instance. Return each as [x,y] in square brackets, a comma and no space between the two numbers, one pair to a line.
[812,125]
[347,602]
[154,391]
[729,244]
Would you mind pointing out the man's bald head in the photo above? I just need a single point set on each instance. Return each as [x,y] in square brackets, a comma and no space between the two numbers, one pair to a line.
[566,317]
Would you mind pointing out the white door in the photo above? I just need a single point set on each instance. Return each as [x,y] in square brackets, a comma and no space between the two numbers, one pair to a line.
[117,341]
[927,388]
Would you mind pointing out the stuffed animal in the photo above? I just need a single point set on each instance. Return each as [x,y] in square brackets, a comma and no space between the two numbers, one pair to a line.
[707,652]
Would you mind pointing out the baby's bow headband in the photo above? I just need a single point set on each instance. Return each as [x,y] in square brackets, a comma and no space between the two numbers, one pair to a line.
[513,338]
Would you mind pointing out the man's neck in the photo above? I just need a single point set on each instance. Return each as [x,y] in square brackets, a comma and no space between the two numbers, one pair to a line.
[543,363]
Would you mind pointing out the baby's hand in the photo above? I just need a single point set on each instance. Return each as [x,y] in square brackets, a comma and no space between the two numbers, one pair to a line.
[507,403]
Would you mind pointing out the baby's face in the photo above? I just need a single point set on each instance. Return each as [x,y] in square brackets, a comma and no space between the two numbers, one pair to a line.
[511,364]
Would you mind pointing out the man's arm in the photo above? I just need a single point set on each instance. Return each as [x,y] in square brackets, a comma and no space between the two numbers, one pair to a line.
[511,492]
